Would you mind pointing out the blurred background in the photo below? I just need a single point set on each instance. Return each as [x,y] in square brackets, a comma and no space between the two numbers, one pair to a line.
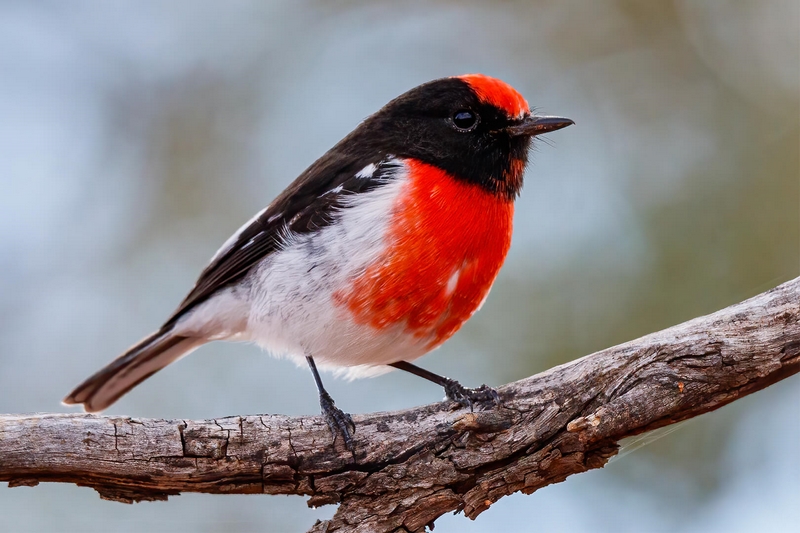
[137,136]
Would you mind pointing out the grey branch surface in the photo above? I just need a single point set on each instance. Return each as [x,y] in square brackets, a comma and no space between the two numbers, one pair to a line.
[412,466]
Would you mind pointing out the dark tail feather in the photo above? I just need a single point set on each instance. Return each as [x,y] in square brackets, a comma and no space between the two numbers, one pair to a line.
[131,368]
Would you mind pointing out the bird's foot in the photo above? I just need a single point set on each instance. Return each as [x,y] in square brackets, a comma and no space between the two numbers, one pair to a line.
[339,422]
[469,397]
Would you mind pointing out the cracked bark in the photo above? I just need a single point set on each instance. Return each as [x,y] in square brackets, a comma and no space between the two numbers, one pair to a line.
[412,466]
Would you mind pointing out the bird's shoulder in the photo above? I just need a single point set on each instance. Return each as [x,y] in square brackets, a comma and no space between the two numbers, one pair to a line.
[307,205]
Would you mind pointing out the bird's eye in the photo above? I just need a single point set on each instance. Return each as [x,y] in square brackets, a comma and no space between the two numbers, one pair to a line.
[465,120]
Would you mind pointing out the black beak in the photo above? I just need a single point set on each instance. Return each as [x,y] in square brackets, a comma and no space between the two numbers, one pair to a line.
[532,125]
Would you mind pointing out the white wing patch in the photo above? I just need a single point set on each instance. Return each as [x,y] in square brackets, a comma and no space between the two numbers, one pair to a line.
[367,171]
[335,190]
[227,245]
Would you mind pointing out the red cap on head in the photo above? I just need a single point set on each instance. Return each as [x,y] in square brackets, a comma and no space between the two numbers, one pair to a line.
[497,93]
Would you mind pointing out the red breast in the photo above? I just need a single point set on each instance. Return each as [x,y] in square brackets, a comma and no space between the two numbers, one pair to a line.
[445,245]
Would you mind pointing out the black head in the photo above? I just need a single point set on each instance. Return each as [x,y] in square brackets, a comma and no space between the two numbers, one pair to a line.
[475,127]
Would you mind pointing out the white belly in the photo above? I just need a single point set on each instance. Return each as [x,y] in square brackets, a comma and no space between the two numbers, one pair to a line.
[293,310]
[286,304]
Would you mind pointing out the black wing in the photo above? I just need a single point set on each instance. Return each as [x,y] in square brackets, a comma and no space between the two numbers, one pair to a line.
[307,205]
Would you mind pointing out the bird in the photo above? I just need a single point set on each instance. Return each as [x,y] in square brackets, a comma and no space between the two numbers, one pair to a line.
[374,256]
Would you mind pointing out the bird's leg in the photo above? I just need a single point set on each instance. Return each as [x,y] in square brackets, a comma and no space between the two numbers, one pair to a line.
[338,421]
[452,388]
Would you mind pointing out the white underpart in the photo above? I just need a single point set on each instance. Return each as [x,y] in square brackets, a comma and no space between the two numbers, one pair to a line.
[233,238]
[221,317]
[286,304]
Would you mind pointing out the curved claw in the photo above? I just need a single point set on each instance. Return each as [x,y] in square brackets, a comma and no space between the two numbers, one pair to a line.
[339,422]
[468,397]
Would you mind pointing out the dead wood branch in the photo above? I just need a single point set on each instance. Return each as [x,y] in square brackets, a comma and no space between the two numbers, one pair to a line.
[412,466]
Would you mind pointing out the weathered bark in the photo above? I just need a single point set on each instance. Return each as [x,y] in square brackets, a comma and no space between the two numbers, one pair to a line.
[412,466]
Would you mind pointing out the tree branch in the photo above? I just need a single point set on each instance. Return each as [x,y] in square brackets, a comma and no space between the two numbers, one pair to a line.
[412,466]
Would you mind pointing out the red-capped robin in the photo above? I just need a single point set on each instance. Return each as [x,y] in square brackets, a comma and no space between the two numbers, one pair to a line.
[374,256]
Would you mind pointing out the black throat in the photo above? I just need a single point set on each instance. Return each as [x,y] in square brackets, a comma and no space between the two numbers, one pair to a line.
[417,125]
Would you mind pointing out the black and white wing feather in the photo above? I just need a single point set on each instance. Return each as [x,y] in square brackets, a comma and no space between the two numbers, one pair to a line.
[310,203]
